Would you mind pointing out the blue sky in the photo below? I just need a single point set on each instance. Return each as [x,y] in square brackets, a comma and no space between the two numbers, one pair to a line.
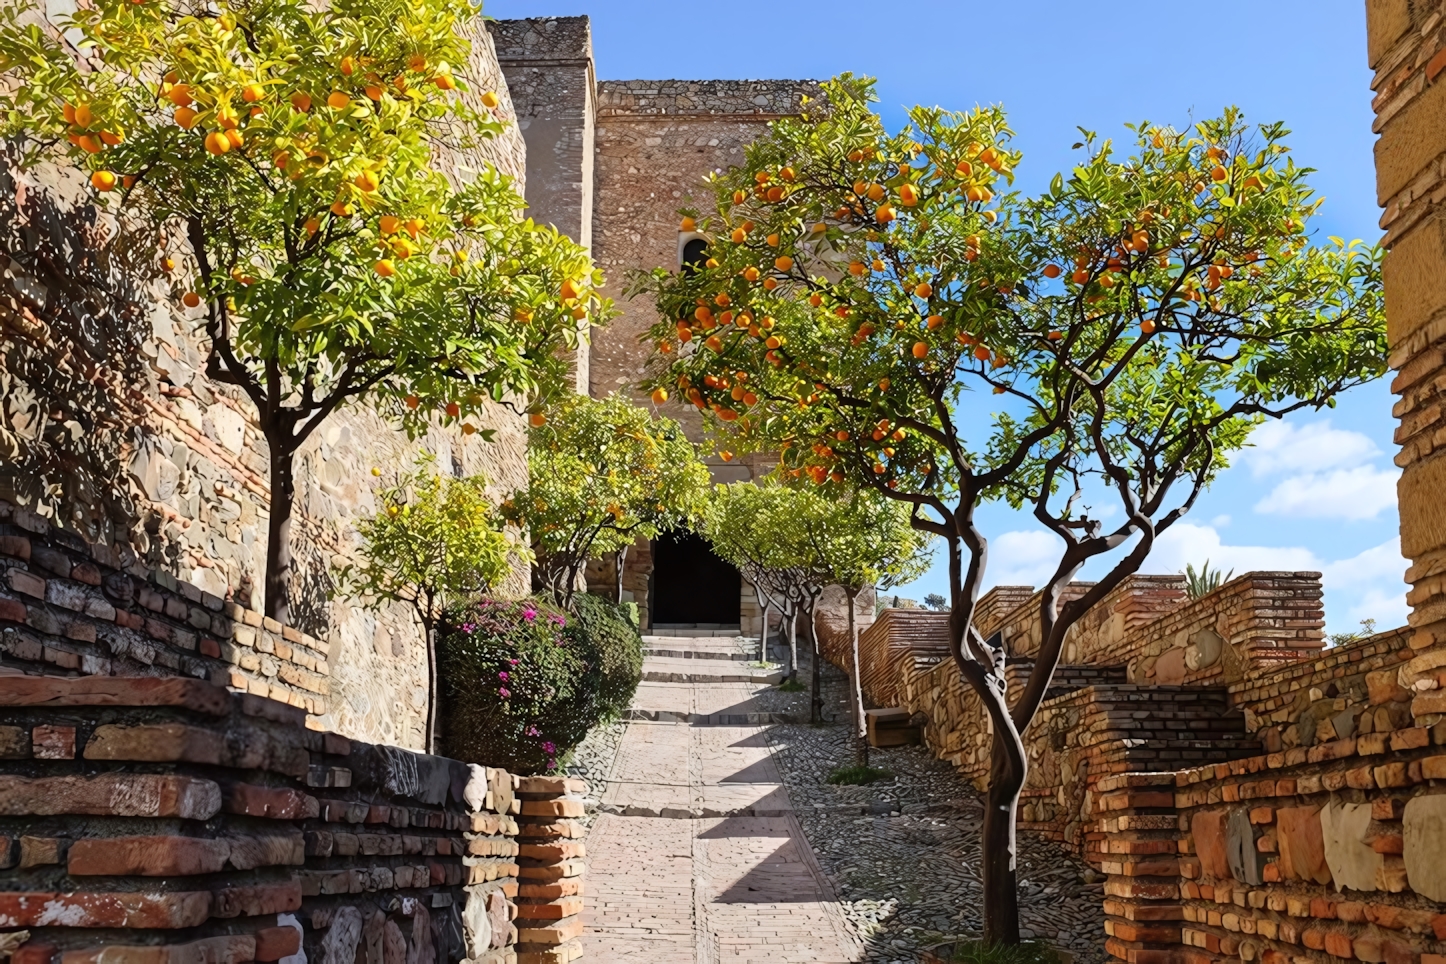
[1317,491]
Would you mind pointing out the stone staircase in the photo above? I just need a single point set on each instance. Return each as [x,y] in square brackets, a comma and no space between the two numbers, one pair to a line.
[704,681]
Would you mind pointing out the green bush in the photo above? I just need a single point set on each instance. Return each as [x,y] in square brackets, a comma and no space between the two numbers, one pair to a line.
[523,682]
[517,684]
[1028,952]
[613,646]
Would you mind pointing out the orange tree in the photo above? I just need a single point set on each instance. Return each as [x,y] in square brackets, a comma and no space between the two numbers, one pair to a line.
[294,154]
[880,309]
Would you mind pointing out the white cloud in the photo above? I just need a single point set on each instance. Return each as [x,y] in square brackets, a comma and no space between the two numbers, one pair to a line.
[1023,557]
[1285,447]
[1382,563]
[1185,542]
[1363,492]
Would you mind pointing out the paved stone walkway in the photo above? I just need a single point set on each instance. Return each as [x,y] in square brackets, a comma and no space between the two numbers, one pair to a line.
[697,856]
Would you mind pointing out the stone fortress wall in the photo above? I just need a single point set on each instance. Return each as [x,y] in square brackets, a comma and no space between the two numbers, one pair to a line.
[112,435]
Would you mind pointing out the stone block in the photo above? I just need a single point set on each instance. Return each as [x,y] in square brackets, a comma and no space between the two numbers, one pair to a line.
[156,743]
[257,899]
[275,943]
[230,949]
[153,856]
[1423,828]
[1352,862]
[1386,22]
[1413,299]
[131,909]
[53,742]
[1302,849]
[110,794]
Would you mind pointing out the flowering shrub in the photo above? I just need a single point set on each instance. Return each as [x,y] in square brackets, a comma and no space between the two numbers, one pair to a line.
[518,686]
[614,646]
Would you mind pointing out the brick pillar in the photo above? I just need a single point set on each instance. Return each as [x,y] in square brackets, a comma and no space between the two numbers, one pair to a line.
[492,867]
[1139,853]
[1407,49]
[549,909]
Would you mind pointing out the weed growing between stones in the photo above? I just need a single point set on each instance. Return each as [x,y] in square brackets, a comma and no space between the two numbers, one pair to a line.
[857,775]
[1029,952]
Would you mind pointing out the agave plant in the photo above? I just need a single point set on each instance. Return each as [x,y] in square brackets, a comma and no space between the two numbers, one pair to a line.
[1205,580]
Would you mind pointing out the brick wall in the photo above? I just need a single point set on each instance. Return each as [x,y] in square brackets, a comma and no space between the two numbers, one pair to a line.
[147,820]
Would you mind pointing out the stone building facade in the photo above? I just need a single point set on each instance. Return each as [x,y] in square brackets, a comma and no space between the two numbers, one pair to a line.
[610,163]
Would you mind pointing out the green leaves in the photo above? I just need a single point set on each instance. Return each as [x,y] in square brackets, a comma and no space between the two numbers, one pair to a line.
[873,294]
[434,543]
[601,475]
[336,254]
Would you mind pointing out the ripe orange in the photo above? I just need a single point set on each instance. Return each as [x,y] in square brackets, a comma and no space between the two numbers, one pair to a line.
[688,224]
[569,290]
[217,143]
[348,66]
[660,395]
[301,102]
[88,144]
[964,169]
[537,420]
[168,264]
[341,209]
[179,95]
[857,268]
[750,274]
[389,224]
[1219,174]
[1080,277]
[233,137]
[112,139]
[386,268]
[920,349]
[413,401]
[103,181]
[774,195]
[251,93]
[490,100]
[1052,271]
[981,353]
[444,80]
[875,192]
[190,299]
[783,263]
[1147,326]
[367,181]
[923,289]
[311,226]
[739,197]
[884,214]
[908,195]
[933,322]
[787,174]
[337,100]
[737,237]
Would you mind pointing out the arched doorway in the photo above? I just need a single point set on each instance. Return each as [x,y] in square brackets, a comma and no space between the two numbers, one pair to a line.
[691,587]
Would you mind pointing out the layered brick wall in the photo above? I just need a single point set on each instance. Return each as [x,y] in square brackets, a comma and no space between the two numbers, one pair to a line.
[111,432]
[146,820]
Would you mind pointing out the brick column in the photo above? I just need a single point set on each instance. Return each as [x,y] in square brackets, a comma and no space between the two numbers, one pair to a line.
[551,851]
[1139,853]
[492,867]
[1407,49]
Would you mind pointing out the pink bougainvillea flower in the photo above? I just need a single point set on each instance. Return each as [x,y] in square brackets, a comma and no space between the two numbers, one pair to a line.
[503,676]
[503,692]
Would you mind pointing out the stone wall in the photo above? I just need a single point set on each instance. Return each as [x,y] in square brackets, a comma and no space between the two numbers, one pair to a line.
[549,69]
[656,142]
[111,432]
[146,820]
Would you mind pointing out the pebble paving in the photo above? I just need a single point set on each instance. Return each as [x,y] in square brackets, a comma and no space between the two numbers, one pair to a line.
[761,859]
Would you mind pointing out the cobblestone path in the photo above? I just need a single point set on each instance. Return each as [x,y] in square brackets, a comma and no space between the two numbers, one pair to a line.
[697,856]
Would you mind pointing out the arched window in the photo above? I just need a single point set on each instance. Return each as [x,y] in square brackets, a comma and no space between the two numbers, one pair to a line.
[695,252]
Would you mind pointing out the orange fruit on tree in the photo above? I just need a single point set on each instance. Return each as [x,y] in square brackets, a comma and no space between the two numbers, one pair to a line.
[569,290]
[444,80]
[981,353]
[1147,326]
[103,181]
[1052,271]
[884,214]
[251,93]
[89,144]
[1080,277]
[750,274]
[337,100]
[413,401]
[688,224]
[738,236]
[190,299]
[367,181]
[490,100]
[875,192]
[389,224]
[112,138]
[301,102]
[217,143]
[179,94]
[537,420]
[341,209]
[386,268]
[908,195]
[1219,174]
[933,322]
[923,290]
[920,349]
[783,263]
[168,264]
[233,137]
[348,66]
[660,395]
[311,226]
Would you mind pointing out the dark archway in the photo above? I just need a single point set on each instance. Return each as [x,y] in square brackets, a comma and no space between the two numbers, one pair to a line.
[695,253]
[692,587]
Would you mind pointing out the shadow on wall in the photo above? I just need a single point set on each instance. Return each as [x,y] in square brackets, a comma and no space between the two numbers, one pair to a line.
[71,332]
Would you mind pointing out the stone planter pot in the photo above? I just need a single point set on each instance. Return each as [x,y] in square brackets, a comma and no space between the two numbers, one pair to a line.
[944,954]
